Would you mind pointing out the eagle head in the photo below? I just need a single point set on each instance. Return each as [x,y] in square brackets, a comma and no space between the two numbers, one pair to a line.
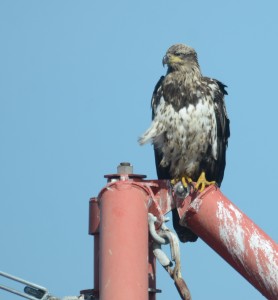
[180,57]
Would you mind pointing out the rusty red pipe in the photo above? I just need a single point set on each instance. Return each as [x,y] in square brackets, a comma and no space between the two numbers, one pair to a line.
[123,241]
[233,236]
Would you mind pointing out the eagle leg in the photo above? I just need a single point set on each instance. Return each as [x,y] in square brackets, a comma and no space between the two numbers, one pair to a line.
[186,181]
[202,182]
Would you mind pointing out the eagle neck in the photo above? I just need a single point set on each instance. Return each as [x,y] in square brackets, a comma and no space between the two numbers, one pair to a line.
[186,75]
[179,87]
[185,71]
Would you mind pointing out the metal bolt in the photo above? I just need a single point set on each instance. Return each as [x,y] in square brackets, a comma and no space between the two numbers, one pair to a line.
[180,190]
[125,168]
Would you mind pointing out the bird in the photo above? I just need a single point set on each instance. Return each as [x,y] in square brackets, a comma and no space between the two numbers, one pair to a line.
[190,126]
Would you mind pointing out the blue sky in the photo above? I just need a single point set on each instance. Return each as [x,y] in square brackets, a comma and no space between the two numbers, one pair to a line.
[76,78]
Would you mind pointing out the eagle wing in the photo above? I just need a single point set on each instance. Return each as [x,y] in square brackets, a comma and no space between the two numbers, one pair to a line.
[216,167]
[162,172]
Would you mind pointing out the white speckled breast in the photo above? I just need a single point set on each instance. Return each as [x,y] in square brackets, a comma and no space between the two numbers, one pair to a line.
[183,136]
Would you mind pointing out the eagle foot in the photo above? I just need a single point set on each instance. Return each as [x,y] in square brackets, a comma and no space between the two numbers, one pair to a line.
[202,182]
[185,180]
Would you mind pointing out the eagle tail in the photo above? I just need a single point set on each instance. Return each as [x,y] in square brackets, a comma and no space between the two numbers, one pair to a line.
[184,233]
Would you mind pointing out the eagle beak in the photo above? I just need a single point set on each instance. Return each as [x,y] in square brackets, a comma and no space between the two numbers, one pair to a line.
[170,59]
[165,60]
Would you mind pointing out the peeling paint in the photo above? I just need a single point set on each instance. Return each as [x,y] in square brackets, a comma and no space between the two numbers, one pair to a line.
[231,230]
[266,259]
[196,204]
[107,283]
[248,247]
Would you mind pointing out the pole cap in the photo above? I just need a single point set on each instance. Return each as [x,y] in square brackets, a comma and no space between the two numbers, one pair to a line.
[124,172]
[125,168]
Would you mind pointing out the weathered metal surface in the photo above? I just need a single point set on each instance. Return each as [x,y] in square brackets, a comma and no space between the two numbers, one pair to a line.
[160,200]
[125,203]
[233,236]
[123,241]
[94,216]
[161,191]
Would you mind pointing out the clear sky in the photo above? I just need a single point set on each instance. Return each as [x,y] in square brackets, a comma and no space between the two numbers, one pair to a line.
[76,78]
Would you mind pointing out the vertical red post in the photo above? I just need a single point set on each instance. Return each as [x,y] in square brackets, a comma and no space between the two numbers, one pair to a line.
[123,241]
[235,237]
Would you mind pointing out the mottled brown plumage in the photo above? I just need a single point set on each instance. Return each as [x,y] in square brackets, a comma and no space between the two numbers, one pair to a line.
[190,127]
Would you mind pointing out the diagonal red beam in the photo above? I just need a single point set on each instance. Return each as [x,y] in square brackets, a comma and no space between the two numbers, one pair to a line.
[235,237]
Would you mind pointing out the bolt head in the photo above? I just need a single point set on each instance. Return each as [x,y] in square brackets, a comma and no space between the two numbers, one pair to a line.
[180,190]
[125,168]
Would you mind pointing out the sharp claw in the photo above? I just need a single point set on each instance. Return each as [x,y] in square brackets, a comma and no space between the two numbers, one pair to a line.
[202,182]
[184,182]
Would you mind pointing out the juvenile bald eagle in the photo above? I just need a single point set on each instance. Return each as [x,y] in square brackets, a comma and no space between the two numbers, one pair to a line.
[190,127]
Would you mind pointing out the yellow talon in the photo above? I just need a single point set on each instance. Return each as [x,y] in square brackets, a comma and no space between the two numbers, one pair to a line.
[174,181]
[185,181]
[202,182]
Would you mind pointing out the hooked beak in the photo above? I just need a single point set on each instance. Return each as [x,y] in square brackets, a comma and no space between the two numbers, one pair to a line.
[165,60]
[170,59]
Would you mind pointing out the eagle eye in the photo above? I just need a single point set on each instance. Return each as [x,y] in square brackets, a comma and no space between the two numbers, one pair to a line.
[179,54]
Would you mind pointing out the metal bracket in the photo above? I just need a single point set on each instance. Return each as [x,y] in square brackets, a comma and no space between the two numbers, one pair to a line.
[33,291]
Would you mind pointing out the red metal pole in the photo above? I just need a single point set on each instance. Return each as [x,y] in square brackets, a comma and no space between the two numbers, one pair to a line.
[233,236]
[123,241]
